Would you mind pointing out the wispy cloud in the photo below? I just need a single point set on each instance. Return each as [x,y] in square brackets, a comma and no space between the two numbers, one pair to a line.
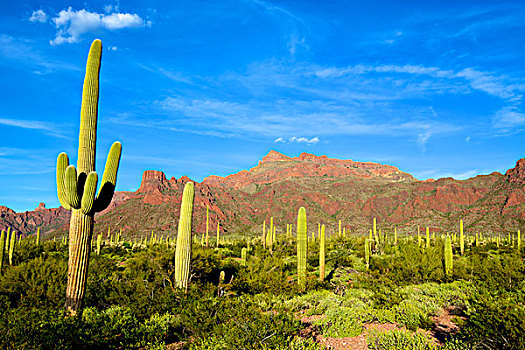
[72,24]
[24,52]
[509,119]
[38,16]
[46,127]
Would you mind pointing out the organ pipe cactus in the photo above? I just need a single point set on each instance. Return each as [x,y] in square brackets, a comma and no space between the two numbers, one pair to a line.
[183,250]
[448,256]
[322,267]
[2,249]
[302,247]
[76,187]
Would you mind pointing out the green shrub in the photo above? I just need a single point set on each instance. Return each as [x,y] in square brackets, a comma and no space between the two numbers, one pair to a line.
[398,340]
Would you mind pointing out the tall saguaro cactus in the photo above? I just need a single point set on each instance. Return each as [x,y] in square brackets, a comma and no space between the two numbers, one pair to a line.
[183,250]
[77,187]
[2,249]
[322,260]
[302,247]
[448,256]
[461,238]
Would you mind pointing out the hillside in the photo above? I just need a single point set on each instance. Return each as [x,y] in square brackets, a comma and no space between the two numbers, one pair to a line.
[329,189]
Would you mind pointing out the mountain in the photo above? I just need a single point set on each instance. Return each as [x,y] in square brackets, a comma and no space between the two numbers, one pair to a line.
[329,189]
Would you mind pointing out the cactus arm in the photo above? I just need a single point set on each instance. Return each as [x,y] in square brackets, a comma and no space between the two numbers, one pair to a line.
[71,187]
[62,164]
[89,111]
[109,178]
[88,198]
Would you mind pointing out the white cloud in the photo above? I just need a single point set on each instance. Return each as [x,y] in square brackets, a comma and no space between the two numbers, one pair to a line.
[73,24]
[48,128]
[112,48]
[509,117]
[279,140]
[467,139]
[38,16]
[311,141]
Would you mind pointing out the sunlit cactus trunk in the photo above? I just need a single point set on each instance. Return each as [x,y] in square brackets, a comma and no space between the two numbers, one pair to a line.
[322,267]
[448,256]
[76,187]
[183,250]
[395,235]
[368,252]
[243,256]
[2,249]
[218,234]
[461,238]
[12,243]
[37,236]
[302,247]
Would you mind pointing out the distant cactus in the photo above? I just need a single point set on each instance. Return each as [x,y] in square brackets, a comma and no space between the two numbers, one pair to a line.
[368,252]
[99,243]
[322,268]
[208,226]
[428,238]
[395,235]
[2,249]
[264,234]
[461,238]
[519,240]
[243,256]
[448,257]
[218,235]
[183,250]
[340,232]
[302,247]
[37,236]
[12,246]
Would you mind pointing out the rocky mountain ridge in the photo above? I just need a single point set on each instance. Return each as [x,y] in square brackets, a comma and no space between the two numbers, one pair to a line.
[330,190]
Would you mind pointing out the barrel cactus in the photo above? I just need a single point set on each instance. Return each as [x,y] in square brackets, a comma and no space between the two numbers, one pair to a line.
[77,187]
[183,250]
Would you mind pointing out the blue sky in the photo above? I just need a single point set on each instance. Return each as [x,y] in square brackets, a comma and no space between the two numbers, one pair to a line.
[209,87]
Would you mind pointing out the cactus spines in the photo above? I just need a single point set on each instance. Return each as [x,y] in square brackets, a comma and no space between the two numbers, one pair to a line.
[76,187]
[448,256]
[2,249]
[368,252]
[302,247]
[183,250]
[322,267]
[461,238]
[243,256]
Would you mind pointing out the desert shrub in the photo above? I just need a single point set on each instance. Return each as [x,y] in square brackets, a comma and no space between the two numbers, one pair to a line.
[495,321]
[341,322]
[398,340]
[37,282]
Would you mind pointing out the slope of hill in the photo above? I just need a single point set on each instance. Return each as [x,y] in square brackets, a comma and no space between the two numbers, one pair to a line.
[329,189]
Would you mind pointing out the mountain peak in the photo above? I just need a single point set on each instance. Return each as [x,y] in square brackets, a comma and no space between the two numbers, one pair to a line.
[517,174]
[274,156]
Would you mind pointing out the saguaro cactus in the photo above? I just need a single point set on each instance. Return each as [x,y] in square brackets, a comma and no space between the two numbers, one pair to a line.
[461,238]
[322,267]
[208,226]
[12,246]
[218,234]
[448,256]
[427,245]
[38,236]
[2,249]
[302,247]
[243,256]
[368,252]
[99,243]
[183,250]
[77,187]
